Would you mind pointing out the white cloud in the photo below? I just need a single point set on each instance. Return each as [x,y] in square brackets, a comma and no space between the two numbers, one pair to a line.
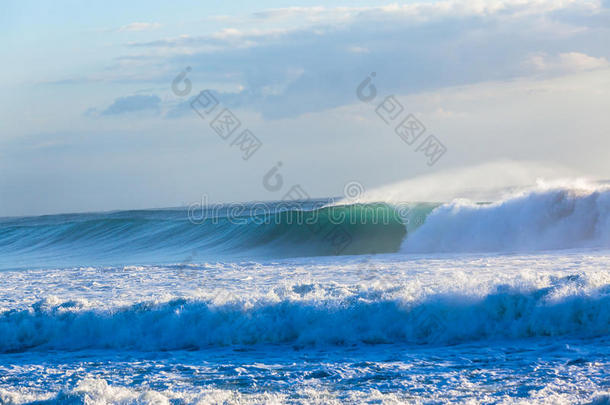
[413,47]
[358,49]
[140,26]
[568,62]
[415,11]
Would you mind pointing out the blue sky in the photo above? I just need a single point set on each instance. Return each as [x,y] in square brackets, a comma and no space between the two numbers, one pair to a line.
[89,120]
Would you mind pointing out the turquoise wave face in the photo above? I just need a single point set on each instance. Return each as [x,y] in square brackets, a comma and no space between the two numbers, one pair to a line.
[180,235]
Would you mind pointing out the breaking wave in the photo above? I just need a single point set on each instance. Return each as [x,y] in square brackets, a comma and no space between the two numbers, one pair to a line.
[559,218]
[568,307]
[540,219]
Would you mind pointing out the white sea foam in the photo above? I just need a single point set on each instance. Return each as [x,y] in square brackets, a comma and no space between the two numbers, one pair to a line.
[313,314]
[98,391]
[551,216]
[529,328]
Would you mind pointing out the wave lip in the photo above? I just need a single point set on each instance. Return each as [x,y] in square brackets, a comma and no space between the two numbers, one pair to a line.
[564,309]
[543,219]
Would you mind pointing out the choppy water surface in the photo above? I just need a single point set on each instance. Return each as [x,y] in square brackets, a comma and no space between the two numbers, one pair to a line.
[483,303]
[389,328]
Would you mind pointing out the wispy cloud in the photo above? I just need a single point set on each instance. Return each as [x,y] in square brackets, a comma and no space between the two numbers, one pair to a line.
[131,104]
[290,61]
[140,26]
[568,62]
[217,41]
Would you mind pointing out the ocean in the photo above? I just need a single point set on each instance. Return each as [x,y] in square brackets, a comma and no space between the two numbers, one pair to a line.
[317,301]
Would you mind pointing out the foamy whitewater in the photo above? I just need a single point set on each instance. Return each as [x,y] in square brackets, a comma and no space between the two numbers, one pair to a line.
[503,301]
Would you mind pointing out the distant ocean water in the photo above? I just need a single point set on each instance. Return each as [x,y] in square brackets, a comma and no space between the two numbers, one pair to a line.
[317,302]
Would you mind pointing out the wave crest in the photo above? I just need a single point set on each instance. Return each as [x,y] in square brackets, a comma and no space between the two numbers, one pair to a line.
[169,236]
[559,218]
[568,307]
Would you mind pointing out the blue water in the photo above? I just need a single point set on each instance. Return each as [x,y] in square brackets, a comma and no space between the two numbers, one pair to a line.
[483,303]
